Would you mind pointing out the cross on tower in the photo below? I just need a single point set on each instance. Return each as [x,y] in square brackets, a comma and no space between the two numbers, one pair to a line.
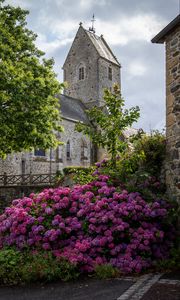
[92,28]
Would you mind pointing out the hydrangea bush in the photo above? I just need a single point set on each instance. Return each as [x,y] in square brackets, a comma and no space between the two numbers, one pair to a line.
[90,225]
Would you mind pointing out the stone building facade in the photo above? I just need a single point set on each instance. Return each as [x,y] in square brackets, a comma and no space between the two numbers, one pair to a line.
[76,149]
[171,36]
[90,66]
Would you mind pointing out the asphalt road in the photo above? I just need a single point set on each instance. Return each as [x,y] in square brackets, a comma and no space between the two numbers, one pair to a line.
[87,289]
[145,287]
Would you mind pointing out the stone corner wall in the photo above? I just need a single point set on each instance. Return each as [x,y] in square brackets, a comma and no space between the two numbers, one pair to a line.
[173,113]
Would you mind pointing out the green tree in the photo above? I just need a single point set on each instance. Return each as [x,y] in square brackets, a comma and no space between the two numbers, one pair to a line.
[109,122]
[29,110]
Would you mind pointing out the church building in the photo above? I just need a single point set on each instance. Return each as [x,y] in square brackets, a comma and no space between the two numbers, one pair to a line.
[89,68]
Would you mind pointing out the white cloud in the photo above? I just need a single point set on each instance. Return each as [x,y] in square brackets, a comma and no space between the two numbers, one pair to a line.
[21,3]
[117,32]
[136,68]
[87,4]
[126,29]
[50,46]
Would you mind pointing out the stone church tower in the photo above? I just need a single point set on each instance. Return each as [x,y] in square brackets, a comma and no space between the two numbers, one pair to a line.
[90,67]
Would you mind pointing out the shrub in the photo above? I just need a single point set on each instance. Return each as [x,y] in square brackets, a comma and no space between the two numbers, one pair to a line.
[153,147]
[143,159]
[19,267]
[106,271]
[81,175]
[92,224]
[9,266]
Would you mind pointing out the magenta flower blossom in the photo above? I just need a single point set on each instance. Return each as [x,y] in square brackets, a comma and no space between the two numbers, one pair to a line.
[90,225]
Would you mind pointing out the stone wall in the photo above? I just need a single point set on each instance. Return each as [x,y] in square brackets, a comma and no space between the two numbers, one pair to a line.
[173,113]
[81,52]
[76,142]
[53,160]
[91,88]
[104,81]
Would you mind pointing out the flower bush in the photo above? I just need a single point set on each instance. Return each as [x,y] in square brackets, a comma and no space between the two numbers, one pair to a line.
[91,225]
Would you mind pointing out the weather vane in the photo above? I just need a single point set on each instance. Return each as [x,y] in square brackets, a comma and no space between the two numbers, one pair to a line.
[92,28]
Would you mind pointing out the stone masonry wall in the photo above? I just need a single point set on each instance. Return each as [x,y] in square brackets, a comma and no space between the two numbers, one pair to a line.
[173,113]
[96,79]
[103,80]
[81,52]
[55,159]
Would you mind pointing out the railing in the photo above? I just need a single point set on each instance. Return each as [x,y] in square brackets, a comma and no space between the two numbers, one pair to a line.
[27,180]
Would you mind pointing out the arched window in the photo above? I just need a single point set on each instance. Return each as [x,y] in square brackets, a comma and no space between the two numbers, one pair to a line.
[68,150]
[84,150]
[59,153]
[81,71]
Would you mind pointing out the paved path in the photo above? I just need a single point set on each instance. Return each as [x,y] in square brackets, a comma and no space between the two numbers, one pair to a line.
[88,289]
[146,287]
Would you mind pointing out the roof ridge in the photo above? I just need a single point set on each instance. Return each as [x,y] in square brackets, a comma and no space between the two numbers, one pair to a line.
[101,40]
[104,41]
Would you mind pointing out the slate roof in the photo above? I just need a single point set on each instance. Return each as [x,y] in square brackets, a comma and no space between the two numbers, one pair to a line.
[73,109]
[161,36]
[102,47]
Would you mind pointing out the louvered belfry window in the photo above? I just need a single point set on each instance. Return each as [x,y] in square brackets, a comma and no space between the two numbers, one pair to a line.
[110,73]
[81,73]
[68,150]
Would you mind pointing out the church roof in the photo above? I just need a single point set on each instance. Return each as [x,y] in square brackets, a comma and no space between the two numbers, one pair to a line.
[161,36]
[102,47]
[73,109]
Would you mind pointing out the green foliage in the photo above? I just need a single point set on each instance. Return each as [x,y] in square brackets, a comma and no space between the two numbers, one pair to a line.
[9,266]
[149,186]
[153,147]
[128,164]
[172,263]
[67,270]
[22,267]
[59,177]
[109,122]
[81,175]
[29,110]
[42,266]
[143,160]
[106,271]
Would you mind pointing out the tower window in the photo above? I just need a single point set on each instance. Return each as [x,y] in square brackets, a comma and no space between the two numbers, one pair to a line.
[68,150]
[110,73]
[81,73]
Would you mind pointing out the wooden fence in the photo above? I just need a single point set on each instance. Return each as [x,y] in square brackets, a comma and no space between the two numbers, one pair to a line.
[27,180]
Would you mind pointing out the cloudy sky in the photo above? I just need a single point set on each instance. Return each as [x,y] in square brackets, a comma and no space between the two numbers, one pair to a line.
[127,26]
